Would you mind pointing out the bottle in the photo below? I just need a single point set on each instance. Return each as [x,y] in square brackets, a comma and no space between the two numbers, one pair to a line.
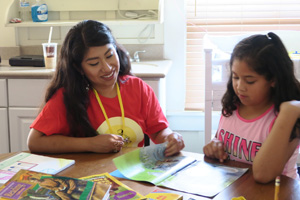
[39,12]
[25,10]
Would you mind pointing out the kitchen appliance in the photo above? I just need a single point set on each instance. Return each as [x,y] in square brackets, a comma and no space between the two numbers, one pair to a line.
[28,61]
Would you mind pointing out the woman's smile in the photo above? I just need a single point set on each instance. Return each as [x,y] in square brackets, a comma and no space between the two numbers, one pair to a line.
[109,76]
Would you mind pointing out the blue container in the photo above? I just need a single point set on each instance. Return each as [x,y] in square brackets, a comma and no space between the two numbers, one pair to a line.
[39,12]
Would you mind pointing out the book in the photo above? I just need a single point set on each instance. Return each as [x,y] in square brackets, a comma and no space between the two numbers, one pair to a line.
[118,190]
[26,184]
[160,194]
[33,162]
[181,173]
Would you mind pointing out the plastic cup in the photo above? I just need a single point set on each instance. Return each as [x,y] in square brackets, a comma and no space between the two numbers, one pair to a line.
[50,55]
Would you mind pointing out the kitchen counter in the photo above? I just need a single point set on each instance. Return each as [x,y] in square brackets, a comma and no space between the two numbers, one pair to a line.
[145,69]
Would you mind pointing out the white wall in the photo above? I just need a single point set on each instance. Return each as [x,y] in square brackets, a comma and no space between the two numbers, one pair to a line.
[174,49]
[7,34]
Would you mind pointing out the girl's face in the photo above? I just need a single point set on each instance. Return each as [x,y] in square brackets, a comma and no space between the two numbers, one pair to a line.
[101,66]
[251,88]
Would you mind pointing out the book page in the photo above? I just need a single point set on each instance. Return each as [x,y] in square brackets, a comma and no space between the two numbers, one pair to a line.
[149,164]
[202,178]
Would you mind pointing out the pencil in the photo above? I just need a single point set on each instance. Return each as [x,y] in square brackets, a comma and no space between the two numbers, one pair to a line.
[277,187]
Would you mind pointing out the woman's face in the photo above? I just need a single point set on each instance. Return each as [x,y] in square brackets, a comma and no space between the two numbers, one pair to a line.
[101,66]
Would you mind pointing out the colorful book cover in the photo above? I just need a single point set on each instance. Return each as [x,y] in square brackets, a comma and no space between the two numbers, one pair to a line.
[160,194]
[33,162]
[27,185]
[118,190]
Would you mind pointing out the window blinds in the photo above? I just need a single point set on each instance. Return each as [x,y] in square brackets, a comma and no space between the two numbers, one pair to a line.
[230,17]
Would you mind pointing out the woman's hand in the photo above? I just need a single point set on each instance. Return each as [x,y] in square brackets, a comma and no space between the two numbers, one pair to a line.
[215,149]
[175,144]
[106,143]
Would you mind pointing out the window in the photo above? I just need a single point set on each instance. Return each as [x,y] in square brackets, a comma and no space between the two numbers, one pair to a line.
[231,17]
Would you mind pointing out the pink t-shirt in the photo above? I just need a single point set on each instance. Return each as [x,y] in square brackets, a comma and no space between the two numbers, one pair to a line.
[243,138]
[143,113]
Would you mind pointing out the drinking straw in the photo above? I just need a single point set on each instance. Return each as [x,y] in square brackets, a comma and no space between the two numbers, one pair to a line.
[50,35]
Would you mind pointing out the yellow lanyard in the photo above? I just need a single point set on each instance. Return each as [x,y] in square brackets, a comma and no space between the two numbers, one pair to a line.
[103,110]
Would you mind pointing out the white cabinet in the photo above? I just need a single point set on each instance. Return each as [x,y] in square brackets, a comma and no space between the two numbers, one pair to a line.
[4,141]
[26,92]
[3,93]
[19,121]
[24,99]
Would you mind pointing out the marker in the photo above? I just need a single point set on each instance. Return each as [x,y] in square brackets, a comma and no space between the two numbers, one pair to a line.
[277,187]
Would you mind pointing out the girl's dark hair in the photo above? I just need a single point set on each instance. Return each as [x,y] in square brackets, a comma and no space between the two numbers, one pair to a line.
[267,56]
[68,74]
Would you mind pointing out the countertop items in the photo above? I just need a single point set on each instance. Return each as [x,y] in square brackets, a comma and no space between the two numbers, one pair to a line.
[145,69]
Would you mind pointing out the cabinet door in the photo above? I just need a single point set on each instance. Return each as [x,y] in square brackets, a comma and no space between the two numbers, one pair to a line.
[4,141]
[3,93]
[26,92]
[20,119]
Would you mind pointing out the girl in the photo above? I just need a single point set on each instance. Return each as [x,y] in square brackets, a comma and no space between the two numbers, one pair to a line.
[259,123]
[94,104]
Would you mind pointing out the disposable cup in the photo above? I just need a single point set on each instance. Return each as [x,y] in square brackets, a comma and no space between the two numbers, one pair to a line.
[50,55]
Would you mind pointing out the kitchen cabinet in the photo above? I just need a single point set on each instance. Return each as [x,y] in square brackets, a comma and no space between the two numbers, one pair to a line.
[22,91]
[19,121]
[4,141]
[25,97]
[19,105]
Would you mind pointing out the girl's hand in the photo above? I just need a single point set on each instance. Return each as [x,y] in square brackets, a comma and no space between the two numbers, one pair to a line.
[106,143]
[215,149]
[175,144]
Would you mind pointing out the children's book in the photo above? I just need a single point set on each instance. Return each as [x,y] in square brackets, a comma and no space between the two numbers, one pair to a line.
[118,190]
[181,173]
[27,185]
[160,194]
[28,161]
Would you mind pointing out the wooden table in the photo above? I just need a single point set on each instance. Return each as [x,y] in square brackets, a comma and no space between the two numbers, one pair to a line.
[87,164]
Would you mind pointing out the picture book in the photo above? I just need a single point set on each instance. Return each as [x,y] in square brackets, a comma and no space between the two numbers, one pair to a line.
[149,164]
[118,190]
[160,194]
[33,162]
[180,173]
[27,185]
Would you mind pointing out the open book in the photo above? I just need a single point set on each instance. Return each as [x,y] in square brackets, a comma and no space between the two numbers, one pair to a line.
[28,161]
[181,173]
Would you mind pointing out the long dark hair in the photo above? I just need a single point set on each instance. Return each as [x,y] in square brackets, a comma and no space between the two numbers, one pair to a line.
[267,56]
[85,34]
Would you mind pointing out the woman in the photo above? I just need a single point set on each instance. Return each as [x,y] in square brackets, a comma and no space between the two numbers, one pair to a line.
[94,104]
